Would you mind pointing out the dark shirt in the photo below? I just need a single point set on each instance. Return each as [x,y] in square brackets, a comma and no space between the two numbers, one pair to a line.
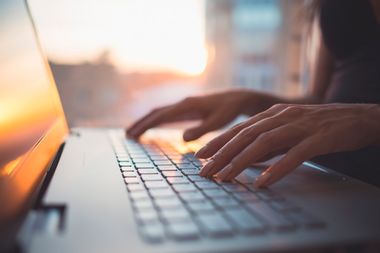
[351,33]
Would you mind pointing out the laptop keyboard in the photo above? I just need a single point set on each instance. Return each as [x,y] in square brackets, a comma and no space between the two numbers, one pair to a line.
[172,202]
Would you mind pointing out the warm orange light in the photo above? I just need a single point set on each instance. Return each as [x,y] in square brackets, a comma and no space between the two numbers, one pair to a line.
[144,36]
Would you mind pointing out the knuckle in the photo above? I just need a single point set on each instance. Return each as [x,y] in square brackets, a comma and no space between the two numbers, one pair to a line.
[279,106]
[244,133]
[293,110]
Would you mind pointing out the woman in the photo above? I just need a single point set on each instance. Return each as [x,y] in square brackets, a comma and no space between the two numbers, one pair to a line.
[341,113]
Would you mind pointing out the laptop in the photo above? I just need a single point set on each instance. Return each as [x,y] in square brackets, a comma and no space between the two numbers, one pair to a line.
[93,190]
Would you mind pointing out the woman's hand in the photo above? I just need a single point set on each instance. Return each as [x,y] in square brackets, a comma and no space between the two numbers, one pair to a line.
[214,111]
[301,132]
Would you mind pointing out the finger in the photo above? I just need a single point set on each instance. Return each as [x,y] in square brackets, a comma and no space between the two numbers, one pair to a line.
[305,150]
[237,144]
[269,143]
[167,114]
[132,129]
[215,144]
[213,122]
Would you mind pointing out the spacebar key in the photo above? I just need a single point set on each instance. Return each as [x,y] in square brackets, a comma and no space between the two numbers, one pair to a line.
[274,219]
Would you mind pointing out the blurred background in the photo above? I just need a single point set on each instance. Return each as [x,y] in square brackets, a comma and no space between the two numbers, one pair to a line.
[115,60]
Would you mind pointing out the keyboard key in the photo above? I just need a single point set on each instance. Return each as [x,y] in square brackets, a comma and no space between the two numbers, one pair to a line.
[214,224]
[246,196]
[159,158]
[233,187]
[152,177]
[187,167]
[190,172]
[147,171]
[147,216]
[143,204]
[215,193]
[196,178]
[183,230]
[172,215]
[201,206]
[144,165]
[274,219]
[131,180]
[206,185]
[167,203]
[153,233]
[167,167]
[141,160]
[156,184]
[123,159]
[162,193]
[192,196]
[172,173]
[245,221]
[226,202]
[178,180]
[165,163]
[184,187]
[139,195]
[135,187]
[127,169]
[121,164]
[129,174]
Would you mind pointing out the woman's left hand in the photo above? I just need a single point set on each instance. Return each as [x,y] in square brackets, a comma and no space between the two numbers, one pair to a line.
[301,132]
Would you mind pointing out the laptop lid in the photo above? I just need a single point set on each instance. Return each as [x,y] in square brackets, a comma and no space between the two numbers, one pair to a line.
[32,122]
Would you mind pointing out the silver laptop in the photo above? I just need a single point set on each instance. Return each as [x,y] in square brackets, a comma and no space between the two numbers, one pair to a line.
[93,190]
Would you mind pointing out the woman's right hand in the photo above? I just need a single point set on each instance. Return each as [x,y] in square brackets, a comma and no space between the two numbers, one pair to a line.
[214,111]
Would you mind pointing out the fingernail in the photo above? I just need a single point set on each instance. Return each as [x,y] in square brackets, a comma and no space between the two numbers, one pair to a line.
[187,136]
[225,172]
[201,152]
[206,168]
[262,179]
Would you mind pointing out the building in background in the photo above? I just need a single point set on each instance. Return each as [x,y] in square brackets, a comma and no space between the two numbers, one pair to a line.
[255,44]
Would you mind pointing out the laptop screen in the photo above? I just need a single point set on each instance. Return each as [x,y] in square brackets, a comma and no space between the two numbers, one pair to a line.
[30,110]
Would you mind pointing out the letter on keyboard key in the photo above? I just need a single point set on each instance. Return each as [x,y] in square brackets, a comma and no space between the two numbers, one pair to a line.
[275,219]
[245,221]
[183,230]
[215,225]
